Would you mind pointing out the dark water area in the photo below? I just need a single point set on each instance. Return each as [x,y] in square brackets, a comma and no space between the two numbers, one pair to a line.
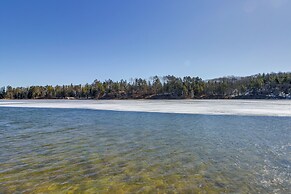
[75,150]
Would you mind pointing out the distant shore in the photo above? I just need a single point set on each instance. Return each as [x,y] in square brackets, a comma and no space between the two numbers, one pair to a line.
[259,86]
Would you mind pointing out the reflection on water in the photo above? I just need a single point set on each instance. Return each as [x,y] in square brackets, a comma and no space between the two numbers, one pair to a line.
[67,150]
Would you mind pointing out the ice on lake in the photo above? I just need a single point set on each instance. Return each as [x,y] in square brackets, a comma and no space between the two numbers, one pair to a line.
[213,107]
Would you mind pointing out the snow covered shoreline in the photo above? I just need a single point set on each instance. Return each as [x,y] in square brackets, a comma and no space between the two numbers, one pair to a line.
[212,107]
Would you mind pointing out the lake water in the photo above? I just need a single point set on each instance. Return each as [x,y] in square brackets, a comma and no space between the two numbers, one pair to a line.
[76,150]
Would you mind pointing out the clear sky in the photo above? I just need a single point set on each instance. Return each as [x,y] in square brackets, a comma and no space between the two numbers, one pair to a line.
[69,41]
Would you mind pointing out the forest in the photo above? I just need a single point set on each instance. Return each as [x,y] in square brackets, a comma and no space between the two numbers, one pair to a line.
[259,86]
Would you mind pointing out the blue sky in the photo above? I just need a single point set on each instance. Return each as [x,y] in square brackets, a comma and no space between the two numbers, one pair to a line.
[68,41]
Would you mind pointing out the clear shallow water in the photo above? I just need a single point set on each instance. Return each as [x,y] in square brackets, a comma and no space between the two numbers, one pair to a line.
[74,150]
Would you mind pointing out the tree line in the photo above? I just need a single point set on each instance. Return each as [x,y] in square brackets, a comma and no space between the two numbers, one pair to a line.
[272,85]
